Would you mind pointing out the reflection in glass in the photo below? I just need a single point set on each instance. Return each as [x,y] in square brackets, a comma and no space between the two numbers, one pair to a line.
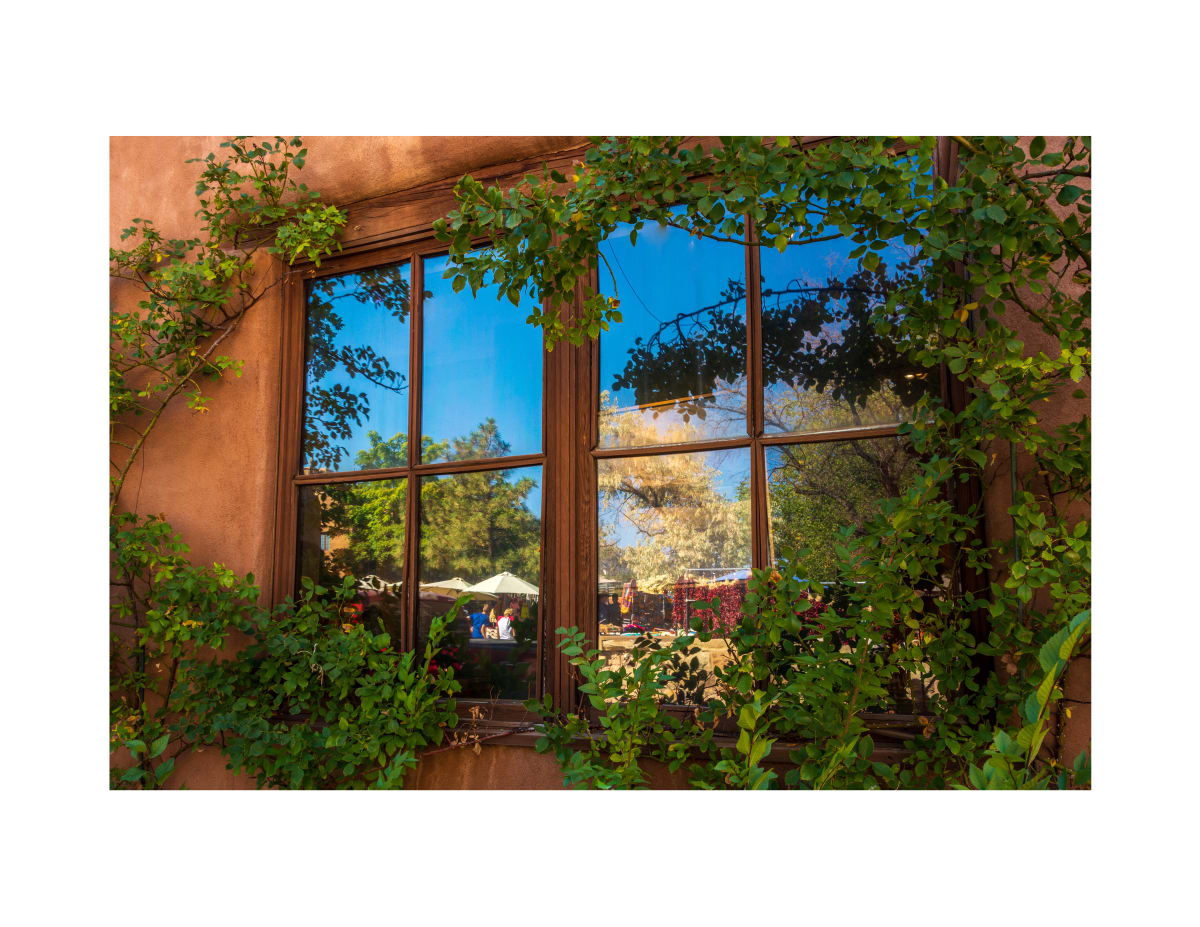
[356,366]
[674,529]
[484,529]
[816,490]
[824,365]
[357,529]
[480,360]
[674,368]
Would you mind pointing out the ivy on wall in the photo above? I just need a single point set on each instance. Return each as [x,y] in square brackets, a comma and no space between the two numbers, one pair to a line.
[1004,248]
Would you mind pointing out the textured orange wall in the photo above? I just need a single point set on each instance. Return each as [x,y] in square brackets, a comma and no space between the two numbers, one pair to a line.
[1061,409]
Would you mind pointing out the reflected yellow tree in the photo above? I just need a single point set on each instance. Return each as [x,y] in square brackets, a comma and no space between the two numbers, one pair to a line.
[663,514]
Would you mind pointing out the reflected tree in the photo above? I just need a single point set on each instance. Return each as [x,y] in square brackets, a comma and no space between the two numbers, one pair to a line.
[366,520]
[818,490]
[692,360]
[818,337]
[479,523]
[663,514]
[331,407]
[472,524]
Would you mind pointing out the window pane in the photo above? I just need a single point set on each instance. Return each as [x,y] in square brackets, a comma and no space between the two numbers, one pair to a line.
[357,529]
[356,369]
[814,490]
[671,527]
[484,528]
[482,362]
[674,368]
[824,366]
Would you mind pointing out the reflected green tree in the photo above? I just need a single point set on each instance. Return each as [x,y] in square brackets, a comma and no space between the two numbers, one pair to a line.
[819,337]
[472,524]
[332,408]
[479,523]
[822,494]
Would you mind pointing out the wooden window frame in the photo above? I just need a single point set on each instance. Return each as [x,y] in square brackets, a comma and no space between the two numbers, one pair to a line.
[398,227]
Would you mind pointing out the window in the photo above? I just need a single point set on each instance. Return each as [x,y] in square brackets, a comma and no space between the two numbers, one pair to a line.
[744,404]
[390,353]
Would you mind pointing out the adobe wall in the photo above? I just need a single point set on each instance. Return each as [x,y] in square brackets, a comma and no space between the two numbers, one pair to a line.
[1061,408]
[212,475]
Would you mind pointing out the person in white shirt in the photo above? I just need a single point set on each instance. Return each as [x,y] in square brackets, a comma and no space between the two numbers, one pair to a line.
[504,625]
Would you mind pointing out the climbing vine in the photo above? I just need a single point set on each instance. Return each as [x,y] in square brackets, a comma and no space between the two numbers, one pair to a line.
[998,296]
[311,696]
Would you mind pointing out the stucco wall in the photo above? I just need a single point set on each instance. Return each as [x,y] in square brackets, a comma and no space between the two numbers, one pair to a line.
[1061,409]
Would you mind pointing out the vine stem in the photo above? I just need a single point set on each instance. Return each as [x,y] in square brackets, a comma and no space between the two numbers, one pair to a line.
[203,360]
[119,482]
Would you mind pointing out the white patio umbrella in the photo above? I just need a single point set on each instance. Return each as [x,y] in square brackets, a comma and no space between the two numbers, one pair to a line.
[457,584]
[504,584]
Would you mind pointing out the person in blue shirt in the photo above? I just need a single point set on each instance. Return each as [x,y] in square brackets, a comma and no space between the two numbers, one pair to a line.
[478,620]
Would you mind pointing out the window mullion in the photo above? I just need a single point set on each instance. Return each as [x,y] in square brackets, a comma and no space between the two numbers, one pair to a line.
[754,397]
[412,540]
[759,510]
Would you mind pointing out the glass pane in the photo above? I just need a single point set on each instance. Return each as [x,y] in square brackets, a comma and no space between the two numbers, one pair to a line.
[674,529]
[357,529]
[481,371]
[484,529]
[824,366]
[356,370]
[814,490]
[674,368]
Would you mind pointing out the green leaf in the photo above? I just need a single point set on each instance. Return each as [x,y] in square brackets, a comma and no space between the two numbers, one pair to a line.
[1036,147]
[159,745]
[164,770]
[1045,688]
[1069,194]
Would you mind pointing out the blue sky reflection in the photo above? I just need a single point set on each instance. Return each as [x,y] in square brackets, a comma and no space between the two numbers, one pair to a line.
[481,360]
